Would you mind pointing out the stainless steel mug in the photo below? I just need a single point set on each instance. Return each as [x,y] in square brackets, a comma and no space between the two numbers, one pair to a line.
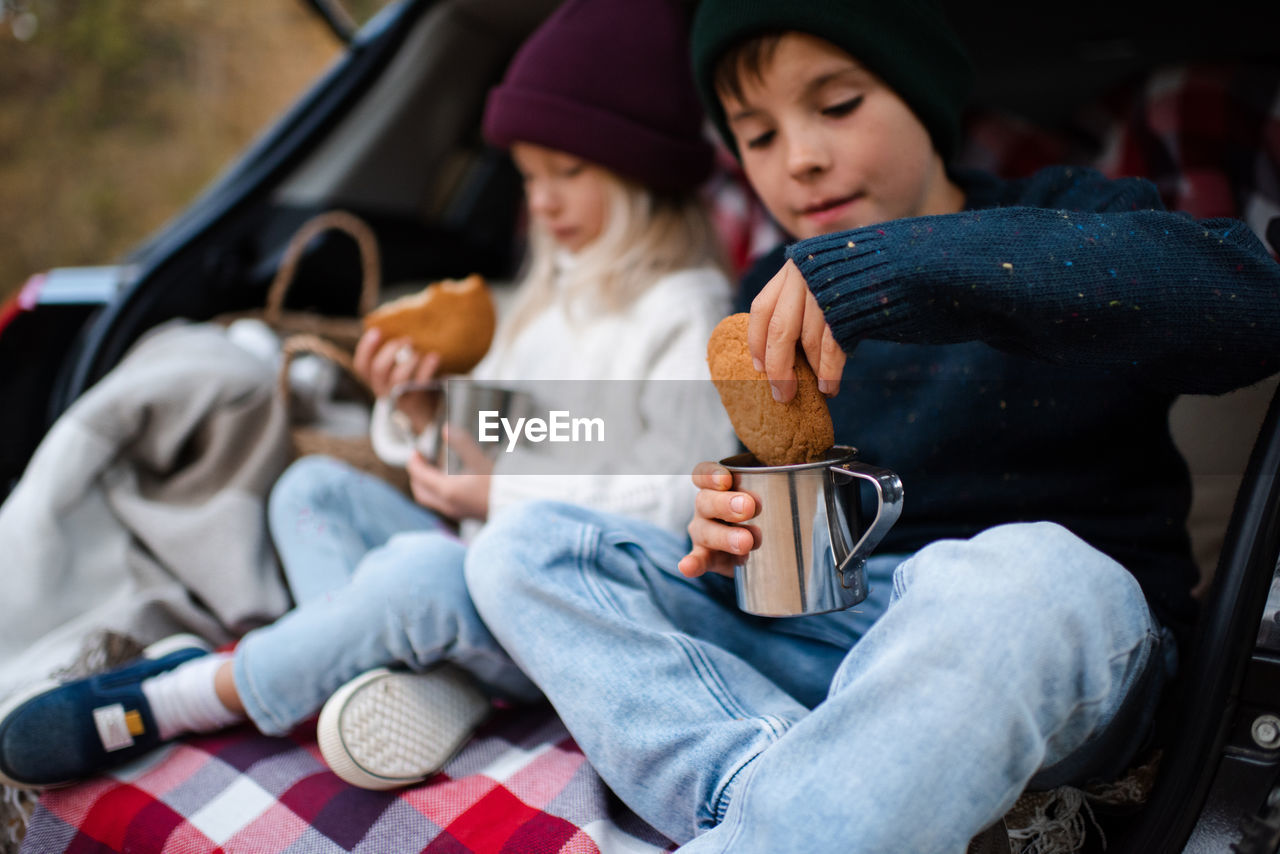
[813,539]
[465,399]
[458,402]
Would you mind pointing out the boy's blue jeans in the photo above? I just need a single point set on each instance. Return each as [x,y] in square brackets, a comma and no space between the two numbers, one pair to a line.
[906,724]
[377,581]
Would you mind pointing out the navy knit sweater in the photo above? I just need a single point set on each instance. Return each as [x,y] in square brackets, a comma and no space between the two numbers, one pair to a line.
[1017,361]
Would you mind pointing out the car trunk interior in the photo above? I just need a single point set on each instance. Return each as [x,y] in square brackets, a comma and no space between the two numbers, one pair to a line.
[391,134]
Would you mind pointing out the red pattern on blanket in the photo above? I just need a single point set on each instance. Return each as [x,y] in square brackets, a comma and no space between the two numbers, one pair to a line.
[521,786]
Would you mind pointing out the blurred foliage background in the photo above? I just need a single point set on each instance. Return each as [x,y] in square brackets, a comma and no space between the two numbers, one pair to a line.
[114,114]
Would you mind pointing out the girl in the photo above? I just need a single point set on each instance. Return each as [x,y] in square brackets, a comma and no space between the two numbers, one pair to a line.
[623,283]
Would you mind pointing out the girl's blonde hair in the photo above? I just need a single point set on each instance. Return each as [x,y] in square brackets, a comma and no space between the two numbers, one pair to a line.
[646,236]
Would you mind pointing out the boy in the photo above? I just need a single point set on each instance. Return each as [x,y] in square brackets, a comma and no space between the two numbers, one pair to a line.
[1012,349]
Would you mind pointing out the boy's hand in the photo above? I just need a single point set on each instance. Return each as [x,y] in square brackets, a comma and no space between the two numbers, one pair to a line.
[717,546]
[386,364]
[459,496]
[783,313]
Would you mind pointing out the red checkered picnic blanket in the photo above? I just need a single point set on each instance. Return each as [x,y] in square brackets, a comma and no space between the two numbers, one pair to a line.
[521,786]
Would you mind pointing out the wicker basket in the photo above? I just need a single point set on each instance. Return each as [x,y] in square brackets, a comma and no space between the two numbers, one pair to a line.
[343,331]
[310,439]
[330,337]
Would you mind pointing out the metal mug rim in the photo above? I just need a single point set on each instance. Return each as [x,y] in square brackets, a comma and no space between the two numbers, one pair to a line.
[747,462]
[442,381]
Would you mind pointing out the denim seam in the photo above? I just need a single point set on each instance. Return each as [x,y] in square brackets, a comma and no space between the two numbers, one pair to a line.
[711,679]
[1149,637]
[585,561]
[778,726]
[900,582]
[723,799]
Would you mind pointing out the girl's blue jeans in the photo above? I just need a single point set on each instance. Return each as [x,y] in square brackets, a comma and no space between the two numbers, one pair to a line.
[377,581]
[906,724]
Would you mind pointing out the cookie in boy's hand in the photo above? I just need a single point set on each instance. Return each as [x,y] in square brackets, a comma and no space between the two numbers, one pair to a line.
[454,318]
[798,431]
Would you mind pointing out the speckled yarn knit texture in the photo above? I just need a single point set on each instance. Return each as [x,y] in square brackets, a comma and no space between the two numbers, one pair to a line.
[1017,361]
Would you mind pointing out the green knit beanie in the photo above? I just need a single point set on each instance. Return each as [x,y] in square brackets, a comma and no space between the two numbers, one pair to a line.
[906,43]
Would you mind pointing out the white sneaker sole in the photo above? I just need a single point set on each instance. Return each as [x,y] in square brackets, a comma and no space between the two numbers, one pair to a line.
[387,729]
[173,643]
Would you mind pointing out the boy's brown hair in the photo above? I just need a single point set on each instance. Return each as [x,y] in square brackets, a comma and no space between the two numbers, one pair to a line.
[906,43]
[744,60]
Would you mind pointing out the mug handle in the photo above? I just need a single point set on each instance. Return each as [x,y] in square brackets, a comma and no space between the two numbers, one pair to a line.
[888,487]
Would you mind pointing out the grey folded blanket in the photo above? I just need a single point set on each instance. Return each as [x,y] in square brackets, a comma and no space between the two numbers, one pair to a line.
[143,509]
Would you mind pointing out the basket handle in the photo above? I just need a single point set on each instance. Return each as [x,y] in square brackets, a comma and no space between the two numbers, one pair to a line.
[296,345]
[366,242]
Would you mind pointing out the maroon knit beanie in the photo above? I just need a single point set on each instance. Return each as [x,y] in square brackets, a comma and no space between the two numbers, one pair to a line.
[608,81]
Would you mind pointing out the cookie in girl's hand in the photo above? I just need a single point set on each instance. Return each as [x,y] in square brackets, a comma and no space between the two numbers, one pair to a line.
[798,431]
[454,318]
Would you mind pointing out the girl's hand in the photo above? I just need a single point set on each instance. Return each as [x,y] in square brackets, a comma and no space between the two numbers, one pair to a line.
[461,495]
[386,364]
[718,546]
[783,313]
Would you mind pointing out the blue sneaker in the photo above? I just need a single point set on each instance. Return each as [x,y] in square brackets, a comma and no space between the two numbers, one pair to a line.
[53,735]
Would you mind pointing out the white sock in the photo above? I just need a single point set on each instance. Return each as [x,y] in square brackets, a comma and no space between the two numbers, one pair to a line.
[184,699]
